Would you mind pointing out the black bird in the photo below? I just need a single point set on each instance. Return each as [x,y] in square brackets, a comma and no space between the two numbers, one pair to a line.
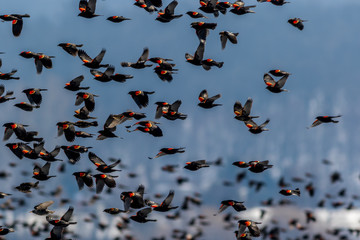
[74,85]
[83,178]
[168,14]
[87,8]
[243,113]
[165,205]
[141,62]
[275,2]
[198,56]
[238,206]
[166,151]
[34,95]
[196,165]
[275,87]
[225,35]
[297,22]
[70,48]
[324,119]
[17,22]
[41,209]
[117,19]
[7,95]
[133,199]
[86,97]
[252,227]
[141,215]
[193,14]
[92,63]
[240,9]
[103,76]
[101,165]
[9,76]
[206,102]
[102,179]
[254,128]
[42,173]
[140,97]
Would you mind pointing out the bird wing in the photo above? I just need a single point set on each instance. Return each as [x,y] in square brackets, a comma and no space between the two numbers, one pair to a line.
[282,81]
[96,160]
[144,56]
[17,27]
[169,10]
[100,56]
[199,54]
[44,205]
[168,199]
[83,56]
[66,217]
[2,89]
[247,106]
[269,80]
[203,96]
[223,39]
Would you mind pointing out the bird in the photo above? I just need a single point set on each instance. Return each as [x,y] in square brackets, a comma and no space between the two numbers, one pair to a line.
[196,165]
[83,178]
[101,165]
[104,179]
[42,208]
[238,206]
[275,87]
[168,15]
[279,73]
[148,127]
[243,113]
[226,35]
[206,101]
[141,215]
[42,173]
[87,8]
[259,166]
[141,98]
[70,48]
[133,199]
[251,226]
[141,62]
[324,119]
[103,76]
[92,63]
[198,56]
[9,76]
[117,19]
[34,95]
[60,224]
[240,9]
[297,22]
[87,98]
[275,2]
[254,128]
[16,20]
[74,84]
[7,96]
[165,205]
[194,14]
[166,151]
[289,192]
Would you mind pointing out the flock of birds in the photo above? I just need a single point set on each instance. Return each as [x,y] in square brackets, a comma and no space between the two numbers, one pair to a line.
[135,201]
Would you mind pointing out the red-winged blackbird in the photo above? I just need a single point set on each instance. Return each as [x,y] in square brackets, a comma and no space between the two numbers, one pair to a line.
[288,192]
[8,76]
[275,2]
[83,177]
[198,56]
[34,95]
[102,179]
[257,166]
[48,156]
[170,111]
[168,14]
[84,124]
[163,63]
[165,75]
[297,22]
[240,9]
[149,127]
[324,119]
[73,152]
[83,114]
[141,215]
[87,8]
[148,5]
[225,35]
[117,19]
[208,63]
[195,14]
[165,205]
[60,224]
[40,60]
[206,102]
[140,97]
[92,63]
[41,209]
[7,96]
[141,62]
[74,85]
[118,77]
[86,97]
[241,164]
[68,129]
[210,6]
[101,165]
[17,22]
[107,132]
[42,173]
[243,236]
[196,165]
[243,113]
[83,134]
[309,217]
[103,76]
[252,227]
[5,231]
[203,25]
[254,128]
[273,86]
[26,106]
[166,151]
[70,48]
[16,128]
[279,73]
[238,206]
[113,211]
[133,199]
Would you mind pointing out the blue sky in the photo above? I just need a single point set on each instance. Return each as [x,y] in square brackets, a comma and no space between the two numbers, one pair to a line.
[322,59]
